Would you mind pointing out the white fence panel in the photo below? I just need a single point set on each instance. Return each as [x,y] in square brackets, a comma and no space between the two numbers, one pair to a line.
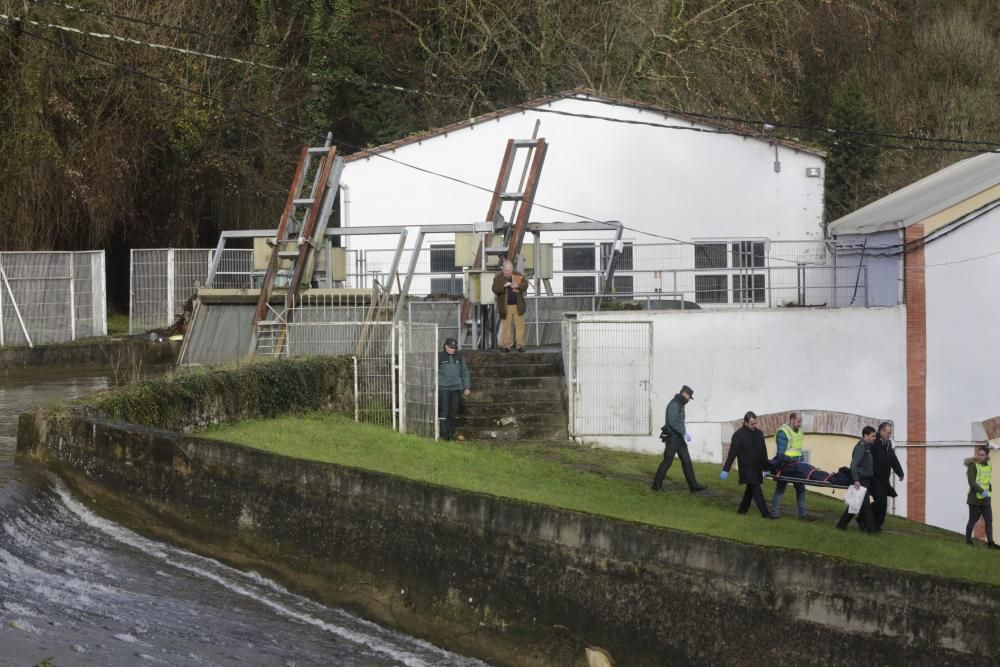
[51,297]
[610,377]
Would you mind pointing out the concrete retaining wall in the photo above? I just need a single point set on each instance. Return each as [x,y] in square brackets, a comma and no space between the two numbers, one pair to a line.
[106,352]
[513,582]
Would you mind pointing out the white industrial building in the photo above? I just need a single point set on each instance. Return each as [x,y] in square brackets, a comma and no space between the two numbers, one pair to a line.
[664,176]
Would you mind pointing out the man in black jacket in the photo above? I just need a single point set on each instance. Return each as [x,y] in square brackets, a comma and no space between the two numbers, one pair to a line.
[748,448]
[675,439]
[884,458]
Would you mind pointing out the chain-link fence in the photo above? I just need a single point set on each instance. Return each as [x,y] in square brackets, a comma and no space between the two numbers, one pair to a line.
[162,280]
[419,345]
[51,297]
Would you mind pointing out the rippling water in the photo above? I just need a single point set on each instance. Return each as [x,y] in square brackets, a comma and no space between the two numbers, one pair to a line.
[82,590]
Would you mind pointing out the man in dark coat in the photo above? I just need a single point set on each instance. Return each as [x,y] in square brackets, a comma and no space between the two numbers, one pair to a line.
[675,439]
[862,470]
[884,458]
[748,448]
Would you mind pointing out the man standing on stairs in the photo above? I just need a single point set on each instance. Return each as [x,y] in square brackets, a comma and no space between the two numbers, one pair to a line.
[453,382]
[675,438]
[509,288]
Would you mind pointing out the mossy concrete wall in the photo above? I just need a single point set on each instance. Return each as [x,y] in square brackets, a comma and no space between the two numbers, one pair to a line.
[509,581]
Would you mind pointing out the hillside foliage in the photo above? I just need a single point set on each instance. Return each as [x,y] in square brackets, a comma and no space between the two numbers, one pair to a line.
[95,155]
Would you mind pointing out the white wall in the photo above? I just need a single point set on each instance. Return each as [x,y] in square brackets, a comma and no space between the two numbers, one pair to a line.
[674,182]
[963,325]
[843,360]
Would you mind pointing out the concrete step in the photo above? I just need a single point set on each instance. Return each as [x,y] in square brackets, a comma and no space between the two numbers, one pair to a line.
[477,359]
[531,434]
[489,422]
[486,392]
[504,408]
[490,383]
[517,370]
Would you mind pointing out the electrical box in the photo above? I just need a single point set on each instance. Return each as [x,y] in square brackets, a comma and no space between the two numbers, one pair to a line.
[478,287]
[544,269]
[333,260]
[466,246]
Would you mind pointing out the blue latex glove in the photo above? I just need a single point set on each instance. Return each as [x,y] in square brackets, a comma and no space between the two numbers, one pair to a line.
[986,494]
[687,437]
[724,475]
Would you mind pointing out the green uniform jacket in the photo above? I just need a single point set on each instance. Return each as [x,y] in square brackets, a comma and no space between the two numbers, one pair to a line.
[452,371]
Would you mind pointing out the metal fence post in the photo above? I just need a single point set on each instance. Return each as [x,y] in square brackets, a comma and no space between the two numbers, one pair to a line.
[434,408]
[403,340]
[356,410]
[171,275]
[72,296]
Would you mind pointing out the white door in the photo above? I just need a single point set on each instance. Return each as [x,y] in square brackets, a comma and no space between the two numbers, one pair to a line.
[611,368]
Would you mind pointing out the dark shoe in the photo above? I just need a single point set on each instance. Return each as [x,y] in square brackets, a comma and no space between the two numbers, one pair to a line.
[506,349]
[520,348]
[743,512]
[992,545]
[698,488]
[839,527]
[807,517]
[769,517]
[970,542]
[654,487]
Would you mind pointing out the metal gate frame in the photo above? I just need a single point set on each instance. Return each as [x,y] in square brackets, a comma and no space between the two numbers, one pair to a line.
[571,339]
[411,335]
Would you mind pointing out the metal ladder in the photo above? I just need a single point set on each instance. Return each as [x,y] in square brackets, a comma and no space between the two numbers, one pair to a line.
[523,198]
[304,220]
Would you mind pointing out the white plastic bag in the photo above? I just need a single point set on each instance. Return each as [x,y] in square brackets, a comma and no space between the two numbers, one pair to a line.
[854,497]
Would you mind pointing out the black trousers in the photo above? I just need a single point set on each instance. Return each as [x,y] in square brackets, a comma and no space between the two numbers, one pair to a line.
[976,511]
[754,492]
[675,446]
[448,400]
[880,507]
[865,518]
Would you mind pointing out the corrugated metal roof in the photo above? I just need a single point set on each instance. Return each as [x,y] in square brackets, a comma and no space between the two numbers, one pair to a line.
[918,201]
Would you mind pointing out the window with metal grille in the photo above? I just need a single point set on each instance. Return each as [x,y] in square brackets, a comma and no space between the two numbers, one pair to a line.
[578,257]
[443,259]
[711,256]
[451,286]
[625,262]
[748,254]
[622,285]
[579,284]
[748,289]
[711,289]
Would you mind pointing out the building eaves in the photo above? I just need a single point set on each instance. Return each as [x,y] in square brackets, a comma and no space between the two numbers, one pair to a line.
[579,93]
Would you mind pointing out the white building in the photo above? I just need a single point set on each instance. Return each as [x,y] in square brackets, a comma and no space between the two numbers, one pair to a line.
[689,180]
[937,241]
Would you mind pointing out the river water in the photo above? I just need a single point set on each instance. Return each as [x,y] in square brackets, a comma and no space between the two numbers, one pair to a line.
[77,589]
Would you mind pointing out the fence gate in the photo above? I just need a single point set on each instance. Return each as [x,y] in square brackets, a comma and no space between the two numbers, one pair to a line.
[609,372]
[418,381]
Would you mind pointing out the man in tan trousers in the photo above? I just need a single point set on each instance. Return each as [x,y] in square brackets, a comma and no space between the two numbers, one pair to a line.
[509,288]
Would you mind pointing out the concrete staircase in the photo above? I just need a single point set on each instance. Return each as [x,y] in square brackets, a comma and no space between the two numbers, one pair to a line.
[515,396]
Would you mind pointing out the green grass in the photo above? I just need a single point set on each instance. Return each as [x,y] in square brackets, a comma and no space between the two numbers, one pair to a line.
[613,484]
[117,325]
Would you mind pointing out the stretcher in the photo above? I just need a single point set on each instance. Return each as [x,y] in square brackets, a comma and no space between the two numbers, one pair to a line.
[809,482]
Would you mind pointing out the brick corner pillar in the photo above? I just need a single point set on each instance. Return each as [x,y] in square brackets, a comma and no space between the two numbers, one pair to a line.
[916,373]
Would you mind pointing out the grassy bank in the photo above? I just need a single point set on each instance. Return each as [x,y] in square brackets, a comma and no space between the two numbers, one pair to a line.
[613,484]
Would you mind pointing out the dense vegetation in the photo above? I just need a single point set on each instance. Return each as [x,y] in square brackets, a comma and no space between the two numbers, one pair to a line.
[92,155]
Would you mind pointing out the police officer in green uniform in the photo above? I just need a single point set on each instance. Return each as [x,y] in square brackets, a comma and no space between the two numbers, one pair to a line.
[979,471]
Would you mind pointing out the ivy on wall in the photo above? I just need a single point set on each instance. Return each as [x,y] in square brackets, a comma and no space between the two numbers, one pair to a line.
[195,400]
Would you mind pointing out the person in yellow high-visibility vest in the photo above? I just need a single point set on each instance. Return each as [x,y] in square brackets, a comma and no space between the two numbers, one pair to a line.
[979,471]
[789,439]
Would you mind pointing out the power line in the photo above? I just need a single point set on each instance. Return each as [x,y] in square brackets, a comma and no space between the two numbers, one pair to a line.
[991,147]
